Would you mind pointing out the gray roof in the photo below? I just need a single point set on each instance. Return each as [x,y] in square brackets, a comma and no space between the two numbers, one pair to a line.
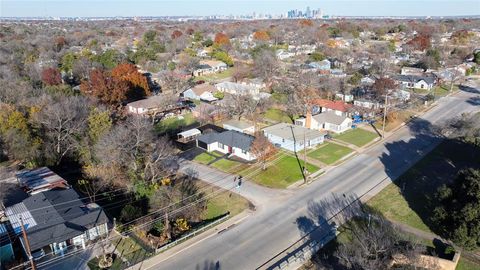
[230,138]
[54,216]
[238,124]
[293,132]
[329,117]
[415,78]
[151,102]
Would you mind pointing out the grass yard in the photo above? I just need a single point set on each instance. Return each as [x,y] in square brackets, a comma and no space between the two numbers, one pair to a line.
[283,173]
[465,264]
[215,76]
[223,164]
[357,136]
[413,206]
[277,115]
[174,123]
[205,158]
[330,153]
[224,202]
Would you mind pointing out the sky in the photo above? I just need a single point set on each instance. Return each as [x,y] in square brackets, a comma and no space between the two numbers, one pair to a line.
[104,8]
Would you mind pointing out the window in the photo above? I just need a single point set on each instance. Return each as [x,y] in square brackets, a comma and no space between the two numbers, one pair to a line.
[244,152]
[283,140]
[220,145]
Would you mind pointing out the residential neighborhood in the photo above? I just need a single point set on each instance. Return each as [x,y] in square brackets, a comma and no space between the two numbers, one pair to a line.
[202,136]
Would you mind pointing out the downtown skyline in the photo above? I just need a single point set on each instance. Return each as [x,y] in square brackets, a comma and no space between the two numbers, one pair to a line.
[160,8]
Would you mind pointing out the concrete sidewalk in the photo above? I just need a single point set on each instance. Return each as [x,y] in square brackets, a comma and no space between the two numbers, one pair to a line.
[255,193]
[212,232]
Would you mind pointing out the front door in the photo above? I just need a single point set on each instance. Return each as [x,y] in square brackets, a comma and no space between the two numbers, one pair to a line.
[229,149]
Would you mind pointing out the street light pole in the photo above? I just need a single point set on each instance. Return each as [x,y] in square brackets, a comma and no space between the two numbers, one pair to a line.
[384,115]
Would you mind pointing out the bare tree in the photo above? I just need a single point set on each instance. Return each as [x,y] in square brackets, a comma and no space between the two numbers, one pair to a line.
[262,149]
[132,148]
[64,124]
[265,64]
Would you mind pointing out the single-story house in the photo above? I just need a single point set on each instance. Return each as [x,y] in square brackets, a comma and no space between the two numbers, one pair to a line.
[367,80]
[328,121]
[237,88]
[203,92]
[229,142]
[292,137]
[369,104]
[325,105]
[282,54]
[146,106]
[344,97]
[416,82]
[208,67]
[65,220]
[321,65]
[240,126]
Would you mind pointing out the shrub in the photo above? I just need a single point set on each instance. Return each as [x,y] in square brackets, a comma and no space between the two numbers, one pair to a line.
[129,213]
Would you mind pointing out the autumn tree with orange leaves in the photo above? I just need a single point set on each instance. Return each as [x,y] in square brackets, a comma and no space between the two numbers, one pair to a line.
[261,35]
[262,149]
[306,22]
[221,40]
[51,76]
[137,82]
[106,88]
[420,42]
[176,34]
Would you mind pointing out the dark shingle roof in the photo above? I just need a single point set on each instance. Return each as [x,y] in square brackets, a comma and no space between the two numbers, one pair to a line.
[415,78]
[230,137]
[56,216]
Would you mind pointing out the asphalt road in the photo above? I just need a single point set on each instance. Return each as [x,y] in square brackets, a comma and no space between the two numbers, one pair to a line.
[273,228]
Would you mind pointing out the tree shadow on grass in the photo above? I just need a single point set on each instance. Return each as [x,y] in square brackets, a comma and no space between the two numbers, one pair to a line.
[419,184]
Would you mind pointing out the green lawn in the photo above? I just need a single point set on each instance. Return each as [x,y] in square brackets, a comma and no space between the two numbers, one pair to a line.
[282,174]
[215,76]
[205,158]
[330,153]
[174,123]
[357,136]
[223,203]
[277,115]
[413,206]
[393,205]
[465,264]
[223,164]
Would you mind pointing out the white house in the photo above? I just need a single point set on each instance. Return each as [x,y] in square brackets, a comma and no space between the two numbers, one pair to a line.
[145,106]
[345,98]
[240,126]
[416,82]
[366,104]
[237,88]
[209,66]
[230,142]
[328,121]
[292,137]
[203,92]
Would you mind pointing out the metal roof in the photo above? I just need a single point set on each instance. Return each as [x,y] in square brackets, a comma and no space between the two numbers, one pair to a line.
[39,179]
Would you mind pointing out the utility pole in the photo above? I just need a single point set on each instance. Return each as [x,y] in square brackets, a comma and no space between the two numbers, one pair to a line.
[384,115]
[27,245]
[305,147]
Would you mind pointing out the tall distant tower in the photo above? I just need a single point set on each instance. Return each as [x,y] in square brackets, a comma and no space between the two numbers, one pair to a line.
[308,13]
